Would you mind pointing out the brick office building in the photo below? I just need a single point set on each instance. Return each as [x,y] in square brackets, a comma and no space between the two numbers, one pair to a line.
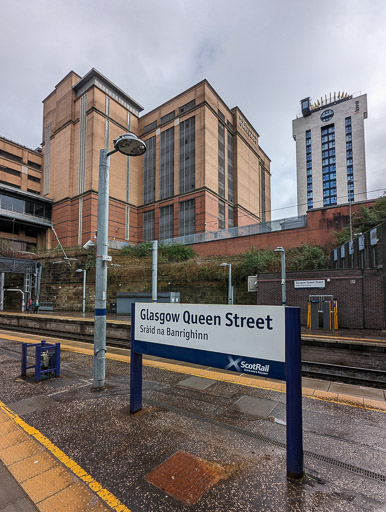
[24,214]
[203,170]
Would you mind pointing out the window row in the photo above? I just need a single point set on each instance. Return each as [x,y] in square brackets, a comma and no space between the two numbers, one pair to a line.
[186,221]
[186,162]
[168,117]
[29,207]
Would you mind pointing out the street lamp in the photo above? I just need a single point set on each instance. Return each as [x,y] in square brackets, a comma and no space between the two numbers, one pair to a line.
[283,287]
[229,265]
[84,288]
[129,145]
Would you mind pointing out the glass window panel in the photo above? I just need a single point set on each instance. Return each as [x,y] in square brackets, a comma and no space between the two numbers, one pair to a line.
[187,217]
[187,155]
[167,163]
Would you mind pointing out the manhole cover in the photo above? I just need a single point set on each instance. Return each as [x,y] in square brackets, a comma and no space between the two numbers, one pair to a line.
[186,477]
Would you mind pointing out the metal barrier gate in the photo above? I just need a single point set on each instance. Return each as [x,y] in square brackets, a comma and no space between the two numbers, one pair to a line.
[322,312]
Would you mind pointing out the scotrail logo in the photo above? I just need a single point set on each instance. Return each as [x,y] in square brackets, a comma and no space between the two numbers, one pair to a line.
[239,365]
[233,364]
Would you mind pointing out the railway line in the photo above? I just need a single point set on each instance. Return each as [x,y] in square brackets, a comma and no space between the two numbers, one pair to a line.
[346,363]
[346,374]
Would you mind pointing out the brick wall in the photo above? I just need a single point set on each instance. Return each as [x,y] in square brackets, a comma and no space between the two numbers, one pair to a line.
[320,230]
[359,294]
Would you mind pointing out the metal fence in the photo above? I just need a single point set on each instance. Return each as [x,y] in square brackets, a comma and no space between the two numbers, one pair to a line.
[252,229]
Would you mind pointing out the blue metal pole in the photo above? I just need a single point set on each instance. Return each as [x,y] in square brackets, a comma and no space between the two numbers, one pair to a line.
[135,370]
[294,393]
[57,359]
[38,362]
[23,359]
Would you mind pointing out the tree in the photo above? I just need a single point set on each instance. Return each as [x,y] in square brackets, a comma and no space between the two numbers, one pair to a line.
[364,220]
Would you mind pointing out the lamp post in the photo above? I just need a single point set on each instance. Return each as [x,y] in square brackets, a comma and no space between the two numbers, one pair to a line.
[229,265]
[129,145]
[283,286]
[84,288]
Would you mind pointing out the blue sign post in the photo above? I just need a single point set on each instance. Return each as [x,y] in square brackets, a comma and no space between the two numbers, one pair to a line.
[259,340]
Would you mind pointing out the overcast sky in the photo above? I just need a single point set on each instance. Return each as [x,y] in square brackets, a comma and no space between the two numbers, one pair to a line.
[261,55]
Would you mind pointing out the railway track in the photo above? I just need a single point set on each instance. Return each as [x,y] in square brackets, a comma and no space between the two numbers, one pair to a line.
[346,374]
[87,338]
[326,371]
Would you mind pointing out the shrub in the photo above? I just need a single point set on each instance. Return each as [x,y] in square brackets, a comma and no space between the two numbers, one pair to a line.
[257,261]
[176,252]
[307,257]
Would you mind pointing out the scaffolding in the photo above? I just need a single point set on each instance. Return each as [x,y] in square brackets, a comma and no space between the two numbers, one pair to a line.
[32,271]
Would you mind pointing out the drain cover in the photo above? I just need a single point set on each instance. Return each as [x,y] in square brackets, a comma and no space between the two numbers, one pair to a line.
[186,477]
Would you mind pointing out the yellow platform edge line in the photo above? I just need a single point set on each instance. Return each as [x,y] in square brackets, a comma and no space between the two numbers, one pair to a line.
[211,375]
[105,495]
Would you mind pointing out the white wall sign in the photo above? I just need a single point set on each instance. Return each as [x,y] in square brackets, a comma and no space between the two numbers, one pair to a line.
[311,283]
[250,331]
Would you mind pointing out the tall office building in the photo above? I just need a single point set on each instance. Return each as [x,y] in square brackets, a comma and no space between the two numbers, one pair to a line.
[203,169]
[330,151]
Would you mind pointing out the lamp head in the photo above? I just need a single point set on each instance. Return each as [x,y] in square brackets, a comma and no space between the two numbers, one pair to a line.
[79,270]
[224,264]
[279,249]
[130,145]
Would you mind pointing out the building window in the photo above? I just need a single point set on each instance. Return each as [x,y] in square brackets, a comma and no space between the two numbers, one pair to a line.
[329,164]
[150,127]
[148,226]
[166,222]
[221,159]
[34,165]
[10,171]
[349,160]
[309,169]
[186,218]
[168,117]
[46,174]
[262,193]
[82,143]
[10,156]
[221,215]
[231,220]
[187,155]
[149,172]
[9,184]
[187,106]
[33,178]
[167,163]
[26,206]
[230,166]
[107,125]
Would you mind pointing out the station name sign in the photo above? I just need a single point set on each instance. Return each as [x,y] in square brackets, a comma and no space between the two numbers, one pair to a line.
[311,283]
[247,339]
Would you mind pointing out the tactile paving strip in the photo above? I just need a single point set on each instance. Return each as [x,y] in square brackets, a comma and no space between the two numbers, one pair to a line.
[186,477]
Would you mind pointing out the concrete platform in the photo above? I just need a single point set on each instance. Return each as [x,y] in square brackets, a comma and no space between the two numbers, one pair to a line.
[206,441]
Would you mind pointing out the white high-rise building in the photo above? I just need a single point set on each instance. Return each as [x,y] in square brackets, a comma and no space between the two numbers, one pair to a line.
[330,151]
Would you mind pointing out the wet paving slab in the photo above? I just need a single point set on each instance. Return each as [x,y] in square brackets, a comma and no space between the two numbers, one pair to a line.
[201,444]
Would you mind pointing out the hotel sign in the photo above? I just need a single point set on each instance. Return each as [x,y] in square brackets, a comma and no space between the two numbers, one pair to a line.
[246,127]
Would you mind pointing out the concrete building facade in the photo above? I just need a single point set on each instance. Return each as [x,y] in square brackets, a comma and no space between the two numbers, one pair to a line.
[330,151]
[203,169]
[24,214]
